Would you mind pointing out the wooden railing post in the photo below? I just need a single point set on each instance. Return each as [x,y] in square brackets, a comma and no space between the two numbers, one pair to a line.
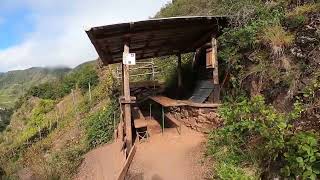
[127,105]
[215,73]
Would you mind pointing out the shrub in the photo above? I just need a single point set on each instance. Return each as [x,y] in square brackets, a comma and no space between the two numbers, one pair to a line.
[276,38]
[65,163]
[296,21]
[99,126]
[302,156]
[255,133]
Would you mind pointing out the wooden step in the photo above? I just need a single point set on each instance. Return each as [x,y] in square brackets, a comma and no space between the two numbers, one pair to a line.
[138,118]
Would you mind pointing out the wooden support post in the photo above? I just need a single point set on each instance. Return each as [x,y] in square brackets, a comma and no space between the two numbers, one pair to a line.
[127,106]
[179,71]
[215,74]
[121,124]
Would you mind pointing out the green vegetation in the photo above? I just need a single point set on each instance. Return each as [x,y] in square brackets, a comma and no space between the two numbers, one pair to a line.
[271,95]
[50,131]
[14,84]
[5,116]
[272,130]
[100,125]
[261,137]
[81,77]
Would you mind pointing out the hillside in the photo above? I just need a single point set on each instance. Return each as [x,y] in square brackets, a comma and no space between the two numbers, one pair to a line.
[269,67]
[55,129]
[13,84]
[269,58]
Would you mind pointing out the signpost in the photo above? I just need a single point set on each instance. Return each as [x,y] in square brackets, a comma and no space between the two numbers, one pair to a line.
[129,58]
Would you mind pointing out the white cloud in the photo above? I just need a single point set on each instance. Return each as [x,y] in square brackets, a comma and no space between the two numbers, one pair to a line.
[59,37]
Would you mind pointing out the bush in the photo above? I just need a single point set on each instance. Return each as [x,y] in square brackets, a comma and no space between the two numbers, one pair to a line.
[80,78]
[302,156]
[99,126]
[255,133]
[65,163]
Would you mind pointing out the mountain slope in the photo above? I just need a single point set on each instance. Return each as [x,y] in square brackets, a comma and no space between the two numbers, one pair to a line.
[14,83]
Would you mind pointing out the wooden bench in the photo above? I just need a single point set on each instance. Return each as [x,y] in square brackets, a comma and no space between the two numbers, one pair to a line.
[140,124]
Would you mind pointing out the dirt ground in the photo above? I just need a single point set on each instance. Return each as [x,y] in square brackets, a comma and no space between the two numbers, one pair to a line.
[163,157]
[171,157]
[103,163]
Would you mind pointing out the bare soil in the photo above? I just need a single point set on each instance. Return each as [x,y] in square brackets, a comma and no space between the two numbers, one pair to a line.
[170,157]
[163,157]
[103,163]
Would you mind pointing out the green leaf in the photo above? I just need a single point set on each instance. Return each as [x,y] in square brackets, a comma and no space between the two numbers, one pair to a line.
[307,174]
[286,171]
[312,159]
[313,177]
[299,159]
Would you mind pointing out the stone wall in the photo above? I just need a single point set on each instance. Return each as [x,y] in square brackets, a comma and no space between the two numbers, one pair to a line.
[199,119]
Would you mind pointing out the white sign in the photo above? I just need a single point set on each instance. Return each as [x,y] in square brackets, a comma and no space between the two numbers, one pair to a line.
[129,59]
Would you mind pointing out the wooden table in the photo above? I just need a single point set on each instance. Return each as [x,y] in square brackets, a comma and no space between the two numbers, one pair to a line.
[166,102]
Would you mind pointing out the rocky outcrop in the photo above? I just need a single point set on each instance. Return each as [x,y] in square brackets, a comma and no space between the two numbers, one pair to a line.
[308,40]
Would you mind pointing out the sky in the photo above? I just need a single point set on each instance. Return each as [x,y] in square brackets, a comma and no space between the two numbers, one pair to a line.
[49,33]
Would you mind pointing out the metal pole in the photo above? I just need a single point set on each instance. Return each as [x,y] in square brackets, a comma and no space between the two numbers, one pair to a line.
[90,97]
[114,125]
[162,119]
[153,79]
[150,112]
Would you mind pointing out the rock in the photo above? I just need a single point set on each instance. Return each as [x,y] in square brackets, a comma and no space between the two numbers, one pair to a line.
[199,119]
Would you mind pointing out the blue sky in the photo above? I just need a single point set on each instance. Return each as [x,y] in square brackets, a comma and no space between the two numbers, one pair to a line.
[51,32]
[13,26]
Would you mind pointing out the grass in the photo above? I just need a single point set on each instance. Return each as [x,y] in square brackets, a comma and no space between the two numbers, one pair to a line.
[303,10]
[230,161]
[59,153]
[298,17]
[276,38]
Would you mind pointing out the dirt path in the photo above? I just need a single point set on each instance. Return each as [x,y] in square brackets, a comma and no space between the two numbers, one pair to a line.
[170,157]
[103,163]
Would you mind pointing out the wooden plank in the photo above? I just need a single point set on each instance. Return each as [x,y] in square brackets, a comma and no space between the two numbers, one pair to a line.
[123,173]
[209,63]
[138,118]
[148,83]
[132,100]
[127,107]
[189,33]
[202,105]
[167,102]
[109,31]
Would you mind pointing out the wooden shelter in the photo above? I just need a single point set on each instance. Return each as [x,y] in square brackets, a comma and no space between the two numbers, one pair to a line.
[155,38]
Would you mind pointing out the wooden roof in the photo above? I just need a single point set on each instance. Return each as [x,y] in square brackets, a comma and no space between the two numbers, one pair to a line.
[155,37]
